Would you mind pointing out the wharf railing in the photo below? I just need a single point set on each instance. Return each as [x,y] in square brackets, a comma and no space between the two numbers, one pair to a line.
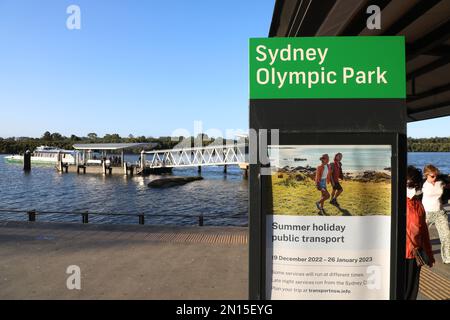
[211,155]
[140,217]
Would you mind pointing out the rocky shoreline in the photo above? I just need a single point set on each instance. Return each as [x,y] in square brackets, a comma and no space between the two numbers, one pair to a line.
[301,173]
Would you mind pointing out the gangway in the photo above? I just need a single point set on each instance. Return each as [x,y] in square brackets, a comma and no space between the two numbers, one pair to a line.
[216,155]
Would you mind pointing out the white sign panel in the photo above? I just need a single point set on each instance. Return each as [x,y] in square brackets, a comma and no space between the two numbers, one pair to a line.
[328,232]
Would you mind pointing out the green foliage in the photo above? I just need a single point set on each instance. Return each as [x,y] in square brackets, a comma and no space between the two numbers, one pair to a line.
[292,180]
[16,145]
[429,144]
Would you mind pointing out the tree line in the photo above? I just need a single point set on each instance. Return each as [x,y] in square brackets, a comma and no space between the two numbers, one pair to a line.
[429,144]
[17,145]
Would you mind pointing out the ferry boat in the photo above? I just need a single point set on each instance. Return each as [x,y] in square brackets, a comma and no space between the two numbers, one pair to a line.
[46,155]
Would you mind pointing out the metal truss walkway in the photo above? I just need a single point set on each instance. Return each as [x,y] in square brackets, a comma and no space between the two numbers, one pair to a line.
[217,155]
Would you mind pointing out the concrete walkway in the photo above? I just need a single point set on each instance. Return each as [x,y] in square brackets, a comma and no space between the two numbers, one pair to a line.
[142,262]
[122,262]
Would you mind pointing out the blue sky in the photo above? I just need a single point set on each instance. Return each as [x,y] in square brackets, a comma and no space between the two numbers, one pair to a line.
[439,127]
[135,67]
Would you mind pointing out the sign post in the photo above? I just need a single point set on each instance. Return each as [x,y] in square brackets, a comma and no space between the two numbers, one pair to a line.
[327,193]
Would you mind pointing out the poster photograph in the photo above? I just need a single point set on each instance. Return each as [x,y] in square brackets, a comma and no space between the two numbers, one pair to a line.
[328,222]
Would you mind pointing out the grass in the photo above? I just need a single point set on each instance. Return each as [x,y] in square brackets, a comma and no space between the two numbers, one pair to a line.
[296,194]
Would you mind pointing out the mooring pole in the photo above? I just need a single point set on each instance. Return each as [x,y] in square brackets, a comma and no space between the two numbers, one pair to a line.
[27,161]
[60,163]
[142,163]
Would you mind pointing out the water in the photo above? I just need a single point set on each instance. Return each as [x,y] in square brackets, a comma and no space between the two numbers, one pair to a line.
[224,196]
[439,159]
[354,157]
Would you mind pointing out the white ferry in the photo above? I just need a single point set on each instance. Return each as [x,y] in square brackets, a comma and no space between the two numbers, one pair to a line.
[46,155]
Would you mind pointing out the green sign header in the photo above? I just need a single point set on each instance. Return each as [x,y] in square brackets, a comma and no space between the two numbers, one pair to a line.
[327,67]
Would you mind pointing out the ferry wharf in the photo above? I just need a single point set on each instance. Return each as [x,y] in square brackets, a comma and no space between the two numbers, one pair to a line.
[142,262]
[111,158]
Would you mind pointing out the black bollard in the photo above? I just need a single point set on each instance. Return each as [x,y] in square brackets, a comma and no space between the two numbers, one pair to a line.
[32,215]
[141,219]
[200,220]
[27,161]
[85,217]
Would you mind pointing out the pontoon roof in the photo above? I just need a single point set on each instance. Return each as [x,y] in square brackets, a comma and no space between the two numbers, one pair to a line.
[112,146]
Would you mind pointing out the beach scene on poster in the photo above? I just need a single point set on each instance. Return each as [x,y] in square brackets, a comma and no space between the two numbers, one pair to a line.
[329,224]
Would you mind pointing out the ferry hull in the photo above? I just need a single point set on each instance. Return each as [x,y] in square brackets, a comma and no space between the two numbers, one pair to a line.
[36,160]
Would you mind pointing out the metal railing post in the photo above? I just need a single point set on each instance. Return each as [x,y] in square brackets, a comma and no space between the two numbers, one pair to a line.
[32,215]
[85,217]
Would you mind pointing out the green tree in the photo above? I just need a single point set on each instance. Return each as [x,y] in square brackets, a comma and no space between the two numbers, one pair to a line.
[56,136]
[75,138]
[47,136]
[92,136]
[108,138]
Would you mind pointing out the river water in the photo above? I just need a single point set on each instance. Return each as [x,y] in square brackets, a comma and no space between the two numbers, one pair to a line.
[223,196]
[439,159]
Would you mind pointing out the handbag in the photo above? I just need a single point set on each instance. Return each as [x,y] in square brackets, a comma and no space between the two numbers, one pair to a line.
[419,254]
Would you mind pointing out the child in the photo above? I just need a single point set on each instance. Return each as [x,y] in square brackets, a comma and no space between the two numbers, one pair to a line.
[336,174]
[323,176]
[417,235]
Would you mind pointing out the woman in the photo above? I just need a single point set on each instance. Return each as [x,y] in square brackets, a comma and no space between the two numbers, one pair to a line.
[432,193]
[323,176]
[416,233]
[336,174]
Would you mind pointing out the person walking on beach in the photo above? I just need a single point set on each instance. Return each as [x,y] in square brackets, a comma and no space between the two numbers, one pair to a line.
[417,235]
[336,174]
[323,176]
[432,193]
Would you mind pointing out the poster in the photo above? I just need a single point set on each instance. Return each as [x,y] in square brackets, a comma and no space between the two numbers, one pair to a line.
[317,249]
